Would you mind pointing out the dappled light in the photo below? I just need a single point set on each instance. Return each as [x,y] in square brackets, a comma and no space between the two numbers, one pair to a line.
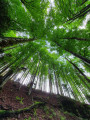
[44,48]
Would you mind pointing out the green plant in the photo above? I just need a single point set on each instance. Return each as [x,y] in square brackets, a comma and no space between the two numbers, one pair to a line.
[20,99]
[35,112]
[28,118]
[62,118]
[53,112]
[46,110]
[50,116]
[65,112]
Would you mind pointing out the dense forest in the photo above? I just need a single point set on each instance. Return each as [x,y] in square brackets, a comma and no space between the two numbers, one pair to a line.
[44,45]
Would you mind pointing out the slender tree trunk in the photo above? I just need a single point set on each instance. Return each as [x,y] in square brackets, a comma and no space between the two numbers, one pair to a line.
[60,85]
[11,48]
[5,55]
[75,54]
[78,70]
[84,2]
[56,82]
[83,80]
[22,78]
[9,65]
[70,86]
[66,83]
[73,87]
[5,78]
[79,39]
[9,41]
[32,82]
[82,12]
[79,94]
[50,81]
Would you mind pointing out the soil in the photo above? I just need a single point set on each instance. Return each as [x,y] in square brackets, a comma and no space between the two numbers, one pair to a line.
[11,98]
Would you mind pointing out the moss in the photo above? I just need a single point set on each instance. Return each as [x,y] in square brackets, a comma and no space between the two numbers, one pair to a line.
[28,118]
[62,118]
[2,111]
[50,116]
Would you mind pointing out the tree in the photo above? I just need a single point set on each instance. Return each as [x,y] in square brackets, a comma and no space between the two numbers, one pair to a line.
[49,31]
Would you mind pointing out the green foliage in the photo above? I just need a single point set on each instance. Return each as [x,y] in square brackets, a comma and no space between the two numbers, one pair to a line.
[46,109]
[20,99]
[62,118]
[53,112]
[55,29]
[35,112]
[28,118]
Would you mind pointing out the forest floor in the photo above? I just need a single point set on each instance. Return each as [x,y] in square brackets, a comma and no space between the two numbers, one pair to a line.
[11,98]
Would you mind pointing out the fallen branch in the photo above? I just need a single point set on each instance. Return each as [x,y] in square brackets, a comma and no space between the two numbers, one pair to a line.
[7,113]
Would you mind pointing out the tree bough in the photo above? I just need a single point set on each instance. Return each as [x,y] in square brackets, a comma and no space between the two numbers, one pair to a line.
[5,113]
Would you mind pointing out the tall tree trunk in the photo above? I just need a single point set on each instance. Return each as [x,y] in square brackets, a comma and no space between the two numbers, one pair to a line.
[9,41]
[83,80]
[66,83]
[2,56]
[50,81]
[5,78]
[78,70]
[84,2]
[74,88]
[60,85]
[10,48]
[23,78]
[82,12]
[33,79]
[9,65]
[75,54]
[56,81]
[79,93]
[76,38]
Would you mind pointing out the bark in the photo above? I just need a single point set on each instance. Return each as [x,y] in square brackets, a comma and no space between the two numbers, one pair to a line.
[10,48]
[67,90]
[1,50]
[50,81]
[2,56]
[73,86]
[56,81]
[5,113]
[84,2]
[60,85]
[9,41]
[88,80]
[76,87]
[75,54]
[9,65]
[83,80]
[5,78]
[32,82]
[26,2]
[81,13]
[24,77]
[70,88]
[80,39]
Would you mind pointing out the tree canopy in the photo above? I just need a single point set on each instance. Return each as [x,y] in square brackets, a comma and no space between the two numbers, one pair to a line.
[48,40]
